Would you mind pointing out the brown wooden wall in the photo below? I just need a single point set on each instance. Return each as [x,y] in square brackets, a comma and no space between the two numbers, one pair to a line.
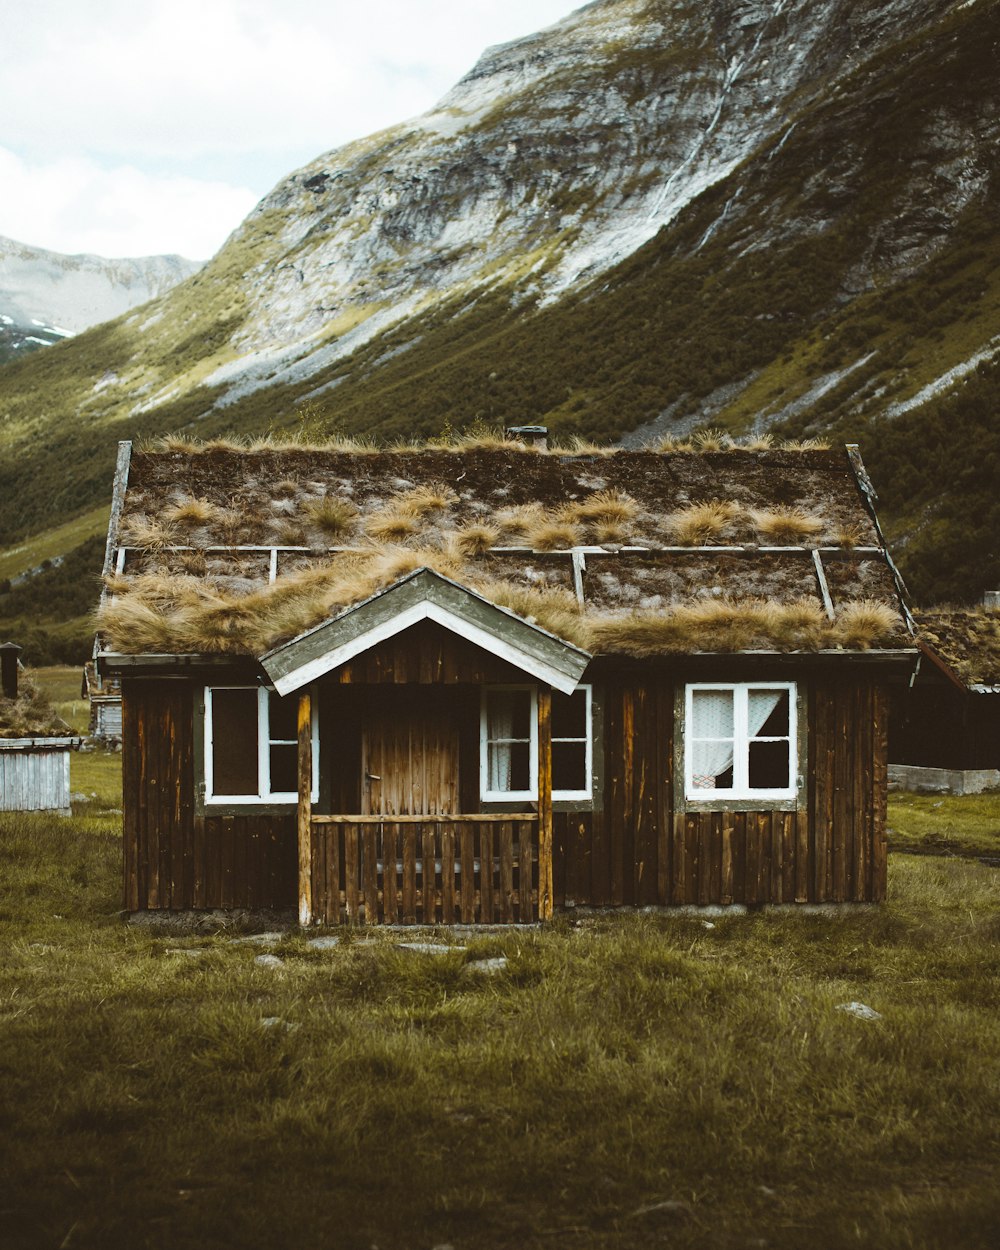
[176,860]
[632,850]
[638,851]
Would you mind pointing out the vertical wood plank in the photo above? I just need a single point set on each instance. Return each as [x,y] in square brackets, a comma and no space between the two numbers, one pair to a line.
[803,874]
[351,873]
[390,904]
[447,874]
[526,835]
[468,867]
[679,857]
[304,811]
[226,860]
[726,858]
[787,820]
[667,787]
[545,901]
[739,857]
[428,873]
[506,871]
[704,874]
[370,835]
[486,872]
[880,768]
[843,785]
[863,764]
[410,833]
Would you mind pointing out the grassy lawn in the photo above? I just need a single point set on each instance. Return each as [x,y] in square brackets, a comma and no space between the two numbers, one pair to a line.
[627,1081]
[962,824]
[62,684]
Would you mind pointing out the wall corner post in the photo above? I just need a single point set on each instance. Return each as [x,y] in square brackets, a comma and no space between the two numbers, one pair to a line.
[304,809]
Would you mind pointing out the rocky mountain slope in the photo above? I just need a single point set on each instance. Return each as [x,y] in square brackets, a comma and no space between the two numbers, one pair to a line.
[773,215]
[46,296]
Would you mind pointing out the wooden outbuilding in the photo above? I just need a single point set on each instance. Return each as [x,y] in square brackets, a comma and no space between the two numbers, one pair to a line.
[944,729]
[34,753]
[485,682]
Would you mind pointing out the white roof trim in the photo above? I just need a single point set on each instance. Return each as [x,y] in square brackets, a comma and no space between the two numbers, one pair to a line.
[425,611]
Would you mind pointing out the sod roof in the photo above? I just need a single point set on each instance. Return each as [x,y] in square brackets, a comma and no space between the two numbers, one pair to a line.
[228,549]
[967,639]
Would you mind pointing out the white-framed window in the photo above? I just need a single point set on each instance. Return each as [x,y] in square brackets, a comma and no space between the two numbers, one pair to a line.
[740,740]
[251,746]
[508,744]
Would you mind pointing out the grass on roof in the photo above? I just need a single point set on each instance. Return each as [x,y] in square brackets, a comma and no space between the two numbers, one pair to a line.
[31,714]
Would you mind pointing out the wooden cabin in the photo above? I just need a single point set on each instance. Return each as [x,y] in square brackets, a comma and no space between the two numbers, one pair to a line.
[486,682]
[34,745]
[944,727]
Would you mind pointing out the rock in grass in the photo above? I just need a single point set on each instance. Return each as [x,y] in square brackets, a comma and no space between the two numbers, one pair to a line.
[269,961]
[192,952]
[323,943]
[487,967]
[276,1022]
[429,948]
[256,939]
[861,1010]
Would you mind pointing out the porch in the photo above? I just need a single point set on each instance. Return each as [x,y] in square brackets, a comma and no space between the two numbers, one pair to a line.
[422,870]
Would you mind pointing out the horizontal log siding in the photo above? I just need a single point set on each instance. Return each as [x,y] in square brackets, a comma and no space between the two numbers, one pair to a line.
[175,860]
[636,850]
[425,871]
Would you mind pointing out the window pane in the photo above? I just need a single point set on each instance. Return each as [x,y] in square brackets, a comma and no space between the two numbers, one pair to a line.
[569,766]
[712,765]
[509,766]
[234,742]
[712,713]
[284,769]
[508,714]
[569,714]
[767,713]
[283,715]
[769,766]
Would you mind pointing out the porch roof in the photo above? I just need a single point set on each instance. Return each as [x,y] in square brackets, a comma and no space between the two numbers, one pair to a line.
[425,595]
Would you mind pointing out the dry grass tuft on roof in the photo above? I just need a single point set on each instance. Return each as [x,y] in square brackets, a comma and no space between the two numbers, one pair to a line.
[334,517]
[191,514]
[423,501]
[785,525]
[475,539]
[148,534]
[608,507]
[701,523]
[31,714]
[864,622]
[553,534]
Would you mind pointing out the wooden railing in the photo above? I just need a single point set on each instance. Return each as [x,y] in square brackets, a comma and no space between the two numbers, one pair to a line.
[474,869]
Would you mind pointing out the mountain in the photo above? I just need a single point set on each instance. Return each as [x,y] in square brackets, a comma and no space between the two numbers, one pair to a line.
[46,296]
[655,215]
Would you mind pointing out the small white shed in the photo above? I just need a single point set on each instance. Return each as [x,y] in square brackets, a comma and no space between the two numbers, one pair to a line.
[34,774]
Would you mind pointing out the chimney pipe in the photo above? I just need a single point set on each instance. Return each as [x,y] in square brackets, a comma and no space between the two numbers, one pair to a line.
[8,669]
[531,435]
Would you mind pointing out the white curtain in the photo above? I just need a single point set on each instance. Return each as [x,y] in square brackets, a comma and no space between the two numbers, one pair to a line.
[499,724]
[713,718]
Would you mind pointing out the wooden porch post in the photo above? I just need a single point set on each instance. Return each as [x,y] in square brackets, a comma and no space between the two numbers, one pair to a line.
[544,803]
[305,809]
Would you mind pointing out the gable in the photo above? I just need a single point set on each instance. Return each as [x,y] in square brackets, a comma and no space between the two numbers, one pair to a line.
[425,596]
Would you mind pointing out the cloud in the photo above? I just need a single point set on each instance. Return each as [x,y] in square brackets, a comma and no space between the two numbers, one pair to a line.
[155,124]
[75,205]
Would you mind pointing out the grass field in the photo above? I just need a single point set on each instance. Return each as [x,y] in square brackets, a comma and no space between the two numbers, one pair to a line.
[627,1081]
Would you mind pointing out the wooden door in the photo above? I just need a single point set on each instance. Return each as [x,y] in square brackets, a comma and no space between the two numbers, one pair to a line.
[409,753]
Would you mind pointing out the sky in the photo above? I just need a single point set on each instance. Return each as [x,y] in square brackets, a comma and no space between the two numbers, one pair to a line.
[142,127]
